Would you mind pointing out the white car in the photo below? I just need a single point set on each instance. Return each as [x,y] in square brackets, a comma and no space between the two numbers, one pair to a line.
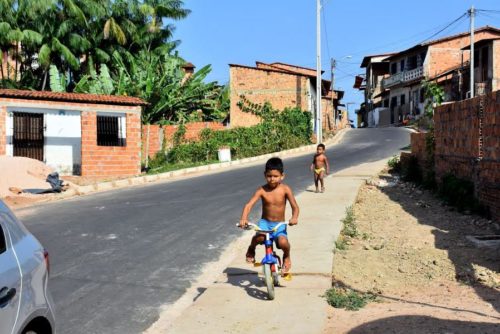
[25,302]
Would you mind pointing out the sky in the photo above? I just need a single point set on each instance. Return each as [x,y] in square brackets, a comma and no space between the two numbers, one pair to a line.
[222,32]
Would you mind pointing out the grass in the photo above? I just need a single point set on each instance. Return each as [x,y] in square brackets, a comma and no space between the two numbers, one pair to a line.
[349,229]
[348,299]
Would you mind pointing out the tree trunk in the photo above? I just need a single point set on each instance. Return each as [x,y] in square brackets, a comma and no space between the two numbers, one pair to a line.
[44,80]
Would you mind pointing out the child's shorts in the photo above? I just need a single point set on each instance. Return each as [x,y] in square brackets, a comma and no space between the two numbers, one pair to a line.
[264,224]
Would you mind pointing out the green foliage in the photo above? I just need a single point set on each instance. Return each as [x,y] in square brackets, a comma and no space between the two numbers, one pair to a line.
[73,32]
[434,96]
[349,229]
[349,299]
[349,222]
[394,164]
[285,132]
[57,81]
[94,83]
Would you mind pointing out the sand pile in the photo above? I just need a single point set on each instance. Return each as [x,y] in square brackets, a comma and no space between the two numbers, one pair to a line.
[23,173]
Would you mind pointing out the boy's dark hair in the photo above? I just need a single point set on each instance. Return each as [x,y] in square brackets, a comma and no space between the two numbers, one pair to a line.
[321,145]
[274,164]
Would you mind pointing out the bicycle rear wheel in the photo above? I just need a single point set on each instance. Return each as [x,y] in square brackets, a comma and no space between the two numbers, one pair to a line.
[268,278]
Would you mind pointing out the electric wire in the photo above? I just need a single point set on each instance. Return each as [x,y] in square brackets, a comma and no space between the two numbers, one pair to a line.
[458,19]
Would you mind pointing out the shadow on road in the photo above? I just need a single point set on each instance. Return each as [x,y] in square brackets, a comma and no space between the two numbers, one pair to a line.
[414,324]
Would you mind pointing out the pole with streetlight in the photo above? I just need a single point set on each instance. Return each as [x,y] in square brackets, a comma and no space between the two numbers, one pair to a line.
[319,134]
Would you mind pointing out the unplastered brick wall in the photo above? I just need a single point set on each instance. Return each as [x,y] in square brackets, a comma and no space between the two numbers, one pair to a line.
[458,149]
[3,131]
[160,135]
[418,147]
[111,160]
[280,89]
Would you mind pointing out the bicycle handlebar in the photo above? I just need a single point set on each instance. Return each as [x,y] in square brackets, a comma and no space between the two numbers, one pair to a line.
[257,228]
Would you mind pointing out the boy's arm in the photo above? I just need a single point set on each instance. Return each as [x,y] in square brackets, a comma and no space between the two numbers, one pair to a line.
[248,207]
[327,165]
[294,205]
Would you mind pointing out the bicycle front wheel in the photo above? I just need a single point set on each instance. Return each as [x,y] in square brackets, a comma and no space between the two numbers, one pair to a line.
[268,278]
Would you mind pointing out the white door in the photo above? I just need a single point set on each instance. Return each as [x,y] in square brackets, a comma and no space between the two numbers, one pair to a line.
[10,283]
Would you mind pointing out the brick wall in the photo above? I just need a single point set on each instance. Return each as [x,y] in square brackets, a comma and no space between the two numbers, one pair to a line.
[110,160]
[456,130]
[280,89]
[159,133]
[447,54]
[3,131]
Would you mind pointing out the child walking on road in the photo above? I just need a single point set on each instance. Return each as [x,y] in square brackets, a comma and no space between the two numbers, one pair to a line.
[320,167]
[274,196]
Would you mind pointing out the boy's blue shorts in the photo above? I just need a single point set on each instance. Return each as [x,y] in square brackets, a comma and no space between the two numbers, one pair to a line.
[264,224]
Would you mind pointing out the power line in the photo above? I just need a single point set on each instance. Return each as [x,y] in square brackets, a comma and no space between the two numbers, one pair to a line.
[325,28]
[447,26]
[488,10]
[398,42]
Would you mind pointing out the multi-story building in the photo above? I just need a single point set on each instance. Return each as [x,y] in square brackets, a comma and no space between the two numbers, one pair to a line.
[409,68]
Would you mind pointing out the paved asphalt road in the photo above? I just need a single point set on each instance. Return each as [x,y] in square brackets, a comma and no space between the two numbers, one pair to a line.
[117,256]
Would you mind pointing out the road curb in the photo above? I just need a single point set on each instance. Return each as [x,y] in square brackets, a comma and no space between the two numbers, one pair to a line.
[145,179]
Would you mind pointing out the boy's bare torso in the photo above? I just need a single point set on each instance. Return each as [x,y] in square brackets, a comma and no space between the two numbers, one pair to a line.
[319,160]
[274,202]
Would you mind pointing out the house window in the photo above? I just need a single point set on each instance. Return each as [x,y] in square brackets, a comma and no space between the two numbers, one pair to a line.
[402,65]
[111,130]
[394,68]
[386,103]
[403,99]
[422,95]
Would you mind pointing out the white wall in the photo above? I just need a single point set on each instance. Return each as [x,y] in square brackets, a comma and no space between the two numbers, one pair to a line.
[62,138]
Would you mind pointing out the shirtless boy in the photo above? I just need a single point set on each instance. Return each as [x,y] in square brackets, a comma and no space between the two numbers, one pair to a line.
[274,196]
[320,167]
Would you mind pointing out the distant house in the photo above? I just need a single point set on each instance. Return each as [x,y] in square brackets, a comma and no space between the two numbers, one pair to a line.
[443,60]
[410,67]
[282,85]
[377,68]
[81,134]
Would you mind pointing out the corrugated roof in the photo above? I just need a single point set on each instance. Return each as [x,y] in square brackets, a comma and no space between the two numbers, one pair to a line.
[72,97]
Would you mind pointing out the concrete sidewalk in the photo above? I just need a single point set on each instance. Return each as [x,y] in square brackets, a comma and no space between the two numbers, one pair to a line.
[235,302]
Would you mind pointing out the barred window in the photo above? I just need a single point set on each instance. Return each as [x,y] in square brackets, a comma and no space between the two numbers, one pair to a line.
[111,130]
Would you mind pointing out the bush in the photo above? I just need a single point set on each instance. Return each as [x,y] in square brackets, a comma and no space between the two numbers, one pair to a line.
[410,170]
[287,129]
[394,164]
[347,298]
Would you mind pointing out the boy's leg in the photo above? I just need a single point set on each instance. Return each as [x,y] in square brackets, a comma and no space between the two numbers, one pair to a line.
[257,239]
[284,245]
[321,176]
[316,180]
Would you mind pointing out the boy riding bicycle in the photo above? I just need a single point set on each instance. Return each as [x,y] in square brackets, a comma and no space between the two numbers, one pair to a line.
[274,196]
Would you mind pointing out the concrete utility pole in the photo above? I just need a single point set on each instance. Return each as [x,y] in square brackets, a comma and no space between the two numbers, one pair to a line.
[319,125]
[471,14]
[333,63]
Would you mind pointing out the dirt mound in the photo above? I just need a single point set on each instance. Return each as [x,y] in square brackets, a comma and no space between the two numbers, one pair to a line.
[22,173]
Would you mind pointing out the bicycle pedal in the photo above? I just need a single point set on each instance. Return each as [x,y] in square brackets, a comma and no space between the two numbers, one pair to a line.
[257,264]
[287,277]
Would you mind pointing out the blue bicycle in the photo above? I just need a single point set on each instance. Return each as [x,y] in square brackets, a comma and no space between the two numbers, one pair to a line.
[271,262]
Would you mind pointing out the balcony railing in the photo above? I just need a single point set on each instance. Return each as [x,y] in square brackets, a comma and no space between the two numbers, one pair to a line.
[404,76]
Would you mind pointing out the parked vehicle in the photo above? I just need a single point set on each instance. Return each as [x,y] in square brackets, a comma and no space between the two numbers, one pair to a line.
[25,302]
